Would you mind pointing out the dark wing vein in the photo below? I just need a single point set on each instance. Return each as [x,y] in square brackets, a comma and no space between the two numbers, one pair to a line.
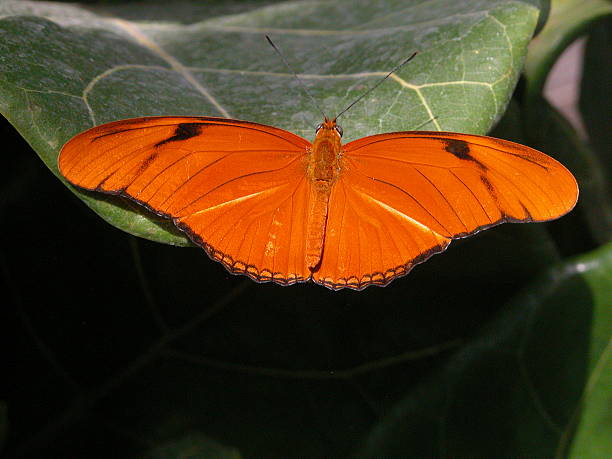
[475,197]
[241,217]
[520,195]
[527,176]
[200,170]
[169,176]
[443,197]
[105,152]
[112,167]
[228,182]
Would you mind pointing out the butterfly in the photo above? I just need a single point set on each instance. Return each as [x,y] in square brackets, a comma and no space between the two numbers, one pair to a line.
[269,204]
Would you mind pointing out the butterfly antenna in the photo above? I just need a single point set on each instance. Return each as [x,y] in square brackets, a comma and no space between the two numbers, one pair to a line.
[296,76]
[397,67]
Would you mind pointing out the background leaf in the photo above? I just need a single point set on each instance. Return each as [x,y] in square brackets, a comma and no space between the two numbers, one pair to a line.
[461,413]
[593,419]
[66,68]
[549,131]
[568,19]
[593,94]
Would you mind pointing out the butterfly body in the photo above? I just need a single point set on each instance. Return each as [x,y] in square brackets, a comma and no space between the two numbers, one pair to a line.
[268,204]
[324,169]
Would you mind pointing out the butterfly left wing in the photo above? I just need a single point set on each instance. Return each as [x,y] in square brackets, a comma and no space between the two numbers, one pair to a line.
[404,196]
[236,188]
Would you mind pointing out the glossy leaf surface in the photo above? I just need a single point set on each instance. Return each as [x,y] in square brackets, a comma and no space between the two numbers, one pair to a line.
[67,68]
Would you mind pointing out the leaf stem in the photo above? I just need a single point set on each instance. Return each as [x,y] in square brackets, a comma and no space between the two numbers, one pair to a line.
[144,284]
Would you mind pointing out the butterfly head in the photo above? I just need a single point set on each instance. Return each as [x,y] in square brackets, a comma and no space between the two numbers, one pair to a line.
[329,125]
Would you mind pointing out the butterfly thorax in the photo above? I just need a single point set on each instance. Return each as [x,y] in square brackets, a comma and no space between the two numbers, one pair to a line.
[324,160]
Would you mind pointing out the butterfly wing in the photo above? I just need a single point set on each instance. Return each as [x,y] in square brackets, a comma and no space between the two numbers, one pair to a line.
[403,197]
[238,189]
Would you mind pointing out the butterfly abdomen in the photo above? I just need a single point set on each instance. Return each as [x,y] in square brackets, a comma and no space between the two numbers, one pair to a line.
[323,171]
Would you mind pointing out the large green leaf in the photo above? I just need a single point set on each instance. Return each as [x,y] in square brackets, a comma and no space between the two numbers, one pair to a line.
[568,19]
[593,419]
[65,68]
[517,389]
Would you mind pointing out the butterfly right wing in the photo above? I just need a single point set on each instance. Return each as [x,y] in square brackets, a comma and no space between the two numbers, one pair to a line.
[404,196]
[238,189]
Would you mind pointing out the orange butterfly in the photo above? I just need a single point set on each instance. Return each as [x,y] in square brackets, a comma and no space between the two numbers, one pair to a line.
[269,204]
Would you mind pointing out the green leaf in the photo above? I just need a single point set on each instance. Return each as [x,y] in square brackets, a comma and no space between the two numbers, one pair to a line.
[592,437]
[65,69]
[568,19]
[193,446]
[515,391]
